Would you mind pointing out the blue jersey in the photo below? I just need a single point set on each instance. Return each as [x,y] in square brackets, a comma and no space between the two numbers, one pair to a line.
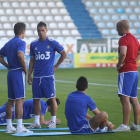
[44,53]
[10,51]
[3,113]
[76,107]
[28,109]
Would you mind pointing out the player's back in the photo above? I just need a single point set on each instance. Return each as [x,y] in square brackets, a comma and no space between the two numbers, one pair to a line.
[10,50]
[76,109]
[28,108]
[132,45]
[132,48]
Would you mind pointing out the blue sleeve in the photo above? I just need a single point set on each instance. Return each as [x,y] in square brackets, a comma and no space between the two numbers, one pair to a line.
[31,51]
[21,47]
[43,107]
[91,104]
[57,47]
[2,52]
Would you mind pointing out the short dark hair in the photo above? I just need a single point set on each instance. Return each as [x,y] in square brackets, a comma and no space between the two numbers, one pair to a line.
[19,27]
[57,101]
[82,83]
[40,24]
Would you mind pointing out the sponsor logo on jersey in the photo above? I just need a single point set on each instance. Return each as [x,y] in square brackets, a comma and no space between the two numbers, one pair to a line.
[48,46]
[52,94]
[39,56]
[2,119]
[35,48]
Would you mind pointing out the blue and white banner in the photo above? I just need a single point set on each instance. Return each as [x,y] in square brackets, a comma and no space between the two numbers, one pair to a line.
[67,63]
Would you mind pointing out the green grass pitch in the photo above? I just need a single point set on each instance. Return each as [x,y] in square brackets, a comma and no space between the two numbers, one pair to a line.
[105,98]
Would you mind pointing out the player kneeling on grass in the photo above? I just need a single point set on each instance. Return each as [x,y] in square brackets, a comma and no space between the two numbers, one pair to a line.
[45,106]
[76,107]
[28,112]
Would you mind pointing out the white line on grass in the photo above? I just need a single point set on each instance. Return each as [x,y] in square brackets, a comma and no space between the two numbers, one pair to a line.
[89,83]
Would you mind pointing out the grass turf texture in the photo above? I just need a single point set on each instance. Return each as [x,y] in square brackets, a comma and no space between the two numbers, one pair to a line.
[105,98]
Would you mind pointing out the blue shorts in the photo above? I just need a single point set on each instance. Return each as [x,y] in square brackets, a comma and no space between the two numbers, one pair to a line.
[3,113]
[85,129]
[128,83]
[16,84]
[43,87]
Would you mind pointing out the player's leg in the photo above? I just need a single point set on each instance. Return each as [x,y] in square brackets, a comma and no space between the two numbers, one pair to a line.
[126,109]
[135,103]
[19,112]
[19,88]
[9,107]
[48,87]
[53,107]
[136,110]
[10,103]
[37,109]
[125,84]
[37,94]
[99,120]
[19,108]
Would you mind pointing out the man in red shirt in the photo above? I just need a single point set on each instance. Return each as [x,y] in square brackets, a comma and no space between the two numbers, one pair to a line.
[129,54]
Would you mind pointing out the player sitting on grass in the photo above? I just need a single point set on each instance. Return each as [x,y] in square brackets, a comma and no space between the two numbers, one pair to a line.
[76,107]
[28,112]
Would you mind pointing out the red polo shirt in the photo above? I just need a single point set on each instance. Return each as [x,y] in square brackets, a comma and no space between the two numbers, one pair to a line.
[133,47]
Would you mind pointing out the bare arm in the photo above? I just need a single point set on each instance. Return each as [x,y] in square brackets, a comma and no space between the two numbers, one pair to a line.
[62,57]
[138,56]
[122,55]
[3,62]
[22,61]
[42,121]
[45,122]
[31,66]
[96,111]
[88,116]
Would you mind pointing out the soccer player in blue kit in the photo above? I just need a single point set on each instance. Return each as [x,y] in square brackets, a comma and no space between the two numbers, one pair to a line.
[28,111]
[42,53]
[14,51]
[76,107]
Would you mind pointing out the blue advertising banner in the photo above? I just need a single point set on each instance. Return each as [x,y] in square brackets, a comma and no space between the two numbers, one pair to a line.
[67,63]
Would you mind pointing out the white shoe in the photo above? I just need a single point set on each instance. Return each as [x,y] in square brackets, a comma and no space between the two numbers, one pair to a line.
[135,127]
[52,125]
[105,129]
[23,130]
[10,130]
[121,128]
[97,129]
[102,130]
[34,125]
